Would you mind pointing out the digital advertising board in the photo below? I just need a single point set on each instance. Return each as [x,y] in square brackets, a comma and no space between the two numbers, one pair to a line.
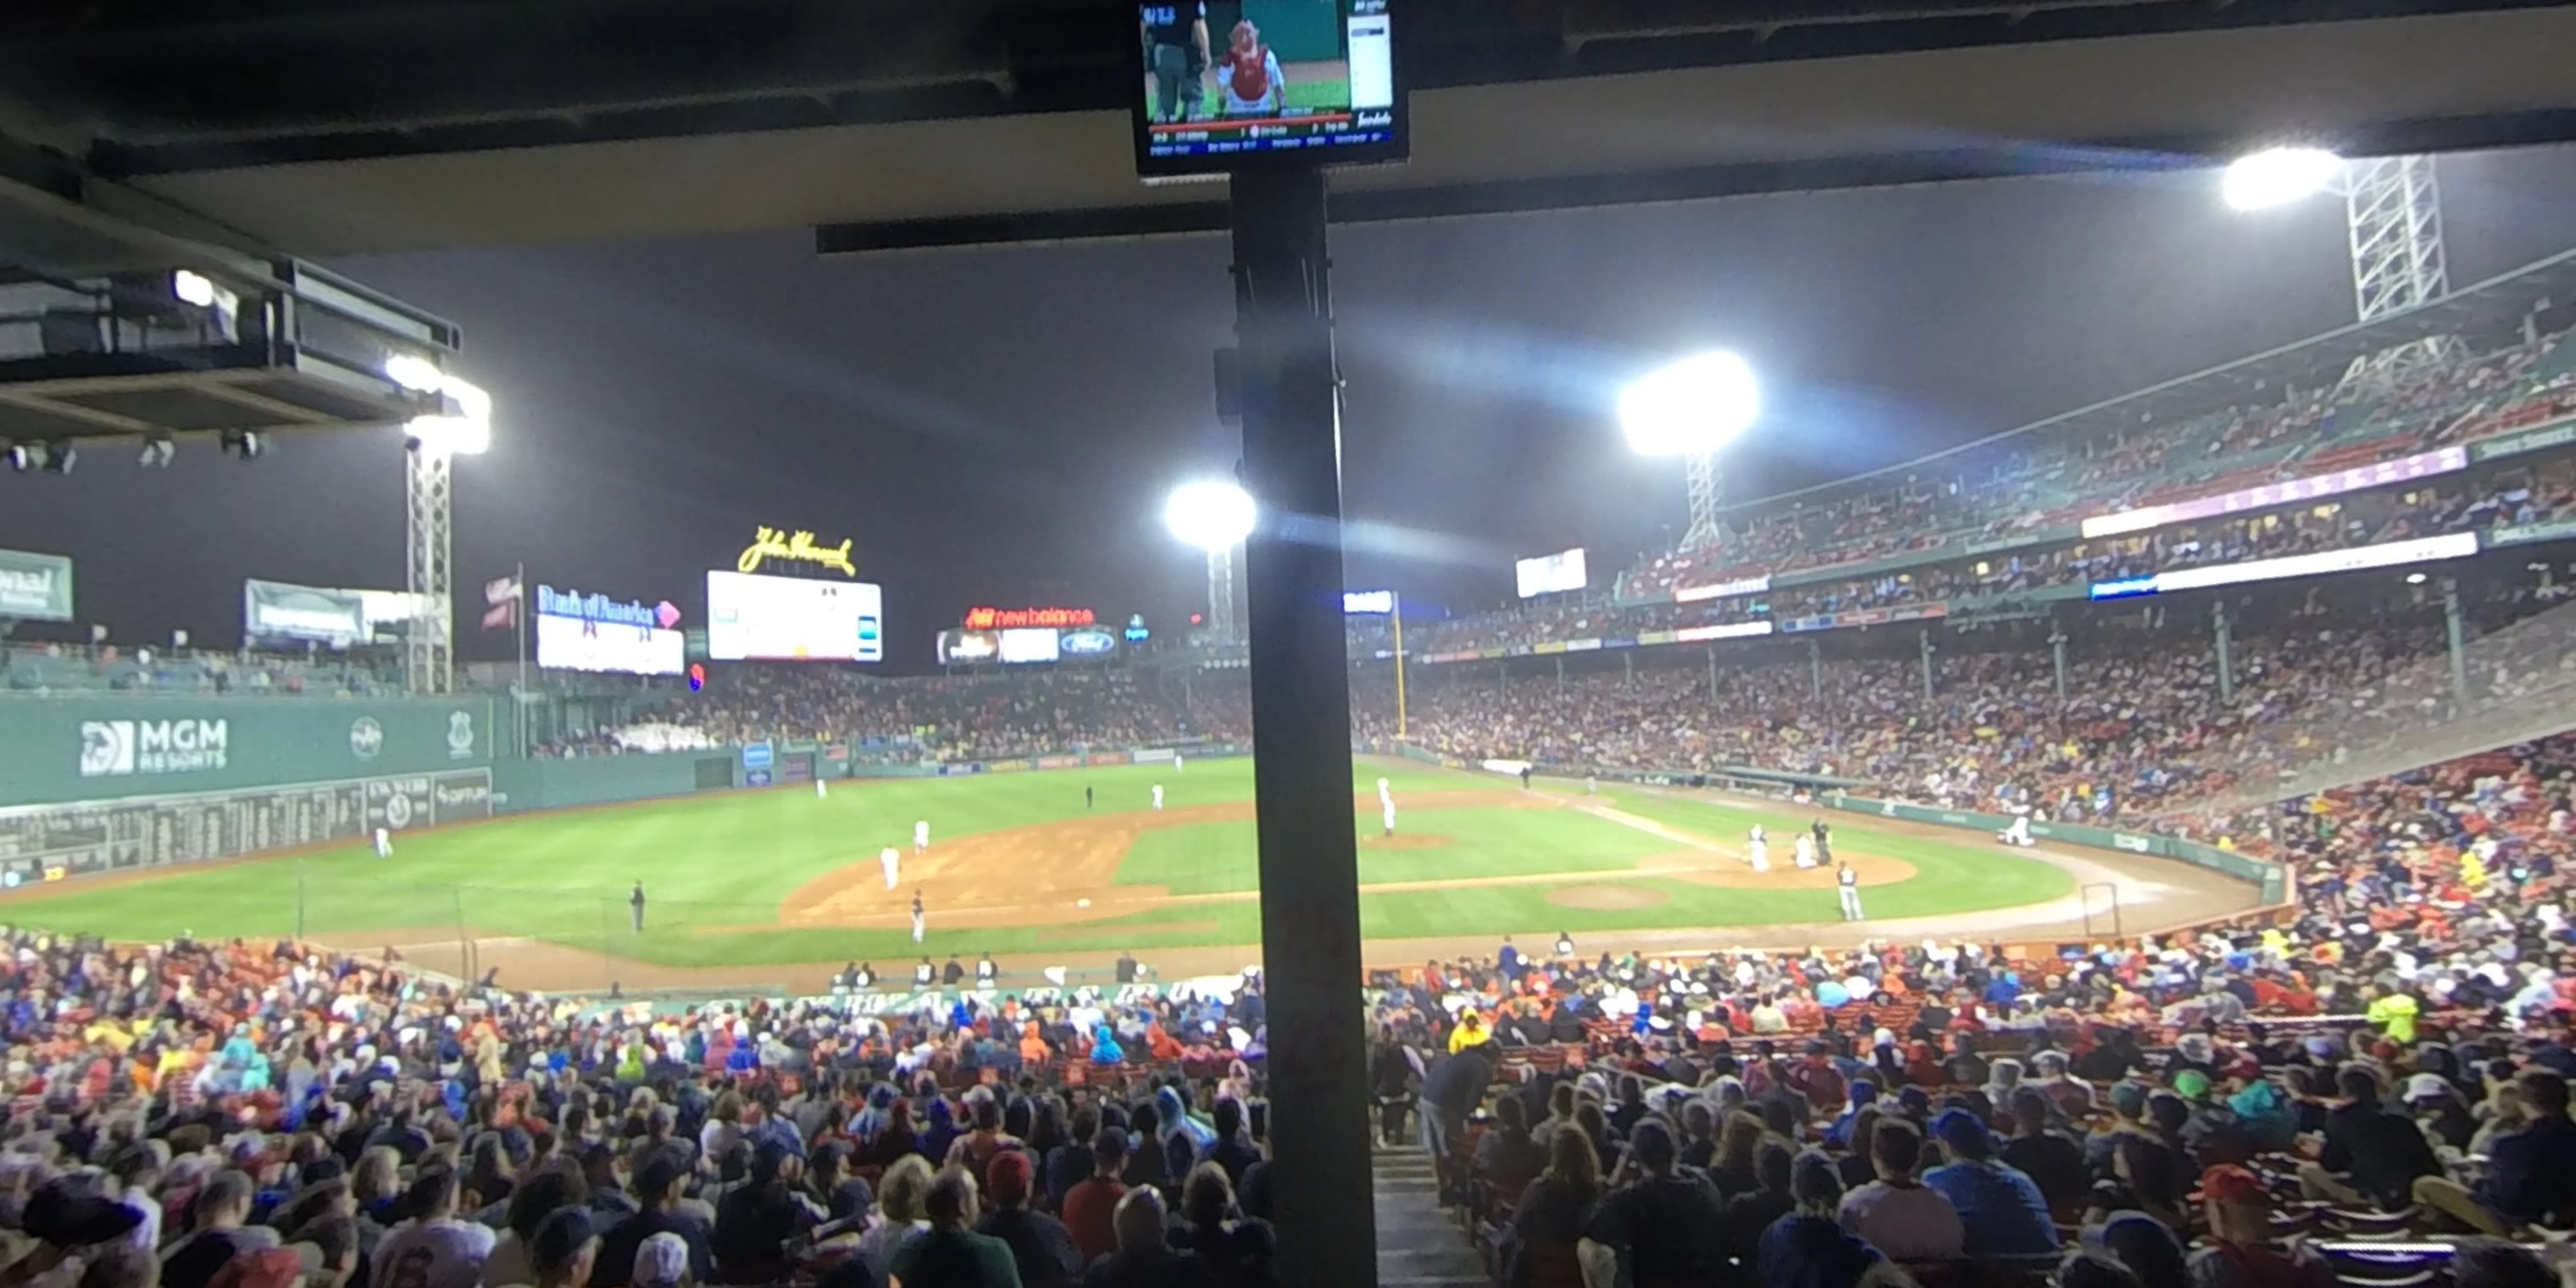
[1552,574]
[968,647]
[793,619]
[280,613]
[1034,644]
[596,633]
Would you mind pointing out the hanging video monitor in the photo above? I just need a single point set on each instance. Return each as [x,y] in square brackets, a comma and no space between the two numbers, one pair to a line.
[1228,85]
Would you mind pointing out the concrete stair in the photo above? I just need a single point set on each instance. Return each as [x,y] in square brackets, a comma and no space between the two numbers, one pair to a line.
[1419,1243]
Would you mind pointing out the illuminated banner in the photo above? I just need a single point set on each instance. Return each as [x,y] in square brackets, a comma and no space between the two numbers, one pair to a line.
[1003,619]
[34,587]
[2388,554]
[2421,465]
[793,619]
[277,612]
[1721,631]
[798,546]
[1030,646]
[968,648]
[600,608]
[1368,601]
[1088,641]
[608,647]
[1551,574]
[1720,590]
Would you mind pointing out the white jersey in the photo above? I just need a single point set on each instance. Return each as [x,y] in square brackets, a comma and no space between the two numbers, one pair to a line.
[384,844]
[1805,849]
[1176,762]
[1388,811]
[1158,795]
[891,860]
[1758,853]
[820,791]
[919,921]
[921,835]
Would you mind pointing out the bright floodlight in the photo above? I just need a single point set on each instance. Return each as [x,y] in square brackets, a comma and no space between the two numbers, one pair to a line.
[415,373]
[1211,514]
[2277,177]
[1691,408]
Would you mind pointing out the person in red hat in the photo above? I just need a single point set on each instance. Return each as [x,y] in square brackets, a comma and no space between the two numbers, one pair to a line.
[1040,1245]
[2242,1252]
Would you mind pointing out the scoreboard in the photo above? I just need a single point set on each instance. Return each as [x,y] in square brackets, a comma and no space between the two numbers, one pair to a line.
[53,842]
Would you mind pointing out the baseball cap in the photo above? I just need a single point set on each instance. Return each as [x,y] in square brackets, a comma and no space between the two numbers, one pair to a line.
[657,1177]
[1109,1143]
[1958,1125]
[1007,1177]
[67,1214]
[2129,1099]
[2426,1086]
[661,1260]
[2229,1183]
[560,1238]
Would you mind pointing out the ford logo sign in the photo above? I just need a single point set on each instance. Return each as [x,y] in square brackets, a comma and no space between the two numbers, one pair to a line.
[1088,643]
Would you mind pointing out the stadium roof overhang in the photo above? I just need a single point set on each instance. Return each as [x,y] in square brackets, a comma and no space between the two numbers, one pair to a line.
[342,126]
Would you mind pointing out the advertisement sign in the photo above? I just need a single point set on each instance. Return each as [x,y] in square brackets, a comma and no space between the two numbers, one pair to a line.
[1720,590]
[2387,554]
[2441,460]
[1030,646]
[279,612]
[791,619]
[1551,574]
[1721,631]
[1368,601]
[798,546]
[968,648]
[1088,641]
[998,619]
[571,644]
[34,587]
[594,633]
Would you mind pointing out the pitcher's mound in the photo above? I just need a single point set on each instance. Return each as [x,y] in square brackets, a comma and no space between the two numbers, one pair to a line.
[1405,841]
[1605,898]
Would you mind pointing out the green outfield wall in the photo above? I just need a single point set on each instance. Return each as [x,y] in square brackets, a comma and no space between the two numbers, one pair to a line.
[88,748]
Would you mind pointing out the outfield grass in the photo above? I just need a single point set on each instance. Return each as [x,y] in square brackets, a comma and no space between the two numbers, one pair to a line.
[727,861]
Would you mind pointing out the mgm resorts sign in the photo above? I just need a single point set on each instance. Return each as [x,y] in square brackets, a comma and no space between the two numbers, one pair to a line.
[114,748]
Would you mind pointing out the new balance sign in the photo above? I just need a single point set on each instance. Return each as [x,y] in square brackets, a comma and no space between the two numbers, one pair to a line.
[112,748]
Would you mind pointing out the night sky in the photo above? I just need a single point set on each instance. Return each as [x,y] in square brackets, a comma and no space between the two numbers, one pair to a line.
[1000,426]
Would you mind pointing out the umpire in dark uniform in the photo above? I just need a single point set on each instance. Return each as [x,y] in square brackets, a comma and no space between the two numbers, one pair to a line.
[1176,55]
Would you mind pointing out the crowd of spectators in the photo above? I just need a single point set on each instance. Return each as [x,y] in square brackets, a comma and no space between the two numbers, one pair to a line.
[68,668]
[1019,712]
[2020,484]
[2516,497]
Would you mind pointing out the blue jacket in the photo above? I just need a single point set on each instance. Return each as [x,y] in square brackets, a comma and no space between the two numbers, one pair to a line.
[2000,1209]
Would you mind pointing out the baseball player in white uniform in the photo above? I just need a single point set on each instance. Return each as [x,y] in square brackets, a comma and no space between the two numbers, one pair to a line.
[1805,850]
[1176,762]
[821,790]
[891,860]
[1386,805]
[1757,850]
[1848,882]
[2017,832]
[1158,796]
[920,922]
[920,835]
[384,843]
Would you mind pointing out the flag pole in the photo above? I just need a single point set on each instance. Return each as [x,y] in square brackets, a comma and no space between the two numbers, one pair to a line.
[519,621]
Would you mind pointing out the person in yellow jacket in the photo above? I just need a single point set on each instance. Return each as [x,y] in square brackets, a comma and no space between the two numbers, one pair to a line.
[1470,1032]
[2394,1012]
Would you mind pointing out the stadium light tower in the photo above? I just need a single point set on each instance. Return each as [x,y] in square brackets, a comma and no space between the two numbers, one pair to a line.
[431,445]
[1215,515]
[2393,220]
[1692,409]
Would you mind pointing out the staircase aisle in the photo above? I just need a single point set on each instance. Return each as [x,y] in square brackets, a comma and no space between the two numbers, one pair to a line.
[1419,1244]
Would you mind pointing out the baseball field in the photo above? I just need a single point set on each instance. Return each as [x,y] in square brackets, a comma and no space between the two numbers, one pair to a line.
[780,886]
